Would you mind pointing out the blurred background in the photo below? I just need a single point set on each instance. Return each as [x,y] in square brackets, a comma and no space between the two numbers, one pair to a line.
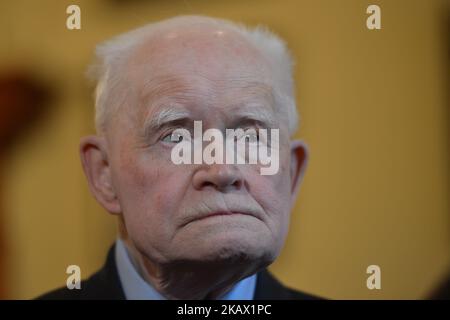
[374,108]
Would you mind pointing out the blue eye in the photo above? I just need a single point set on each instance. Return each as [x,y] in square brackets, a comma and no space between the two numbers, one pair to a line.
[173,137]
[251,135]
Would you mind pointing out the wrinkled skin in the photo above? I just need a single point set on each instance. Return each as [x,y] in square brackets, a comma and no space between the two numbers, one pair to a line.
[214,75]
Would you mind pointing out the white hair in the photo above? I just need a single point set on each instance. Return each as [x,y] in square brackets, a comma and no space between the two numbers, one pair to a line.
[113,53]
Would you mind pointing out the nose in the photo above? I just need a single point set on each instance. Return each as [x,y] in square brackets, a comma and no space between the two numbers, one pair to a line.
[223,177]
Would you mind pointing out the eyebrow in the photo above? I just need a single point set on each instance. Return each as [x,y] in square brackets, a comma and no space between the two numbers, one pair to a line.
[164,117]
[257,114]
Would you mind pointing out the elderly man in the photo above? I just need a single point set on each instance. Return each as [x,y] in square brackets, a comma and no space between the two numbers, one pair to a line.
[199,230]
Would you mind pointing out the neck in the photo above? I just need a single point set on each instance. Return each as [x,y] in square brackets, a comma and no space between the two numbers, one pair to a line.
[187,280]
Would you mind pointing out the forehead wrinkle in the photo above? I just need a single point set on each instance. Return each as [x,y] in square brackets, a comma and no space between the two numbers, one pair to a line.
[185,87]
[249,84]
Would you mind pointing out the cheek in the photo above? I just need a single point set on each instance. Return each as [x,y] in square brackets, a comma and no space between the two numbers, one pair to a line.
[273,193]
[150,193]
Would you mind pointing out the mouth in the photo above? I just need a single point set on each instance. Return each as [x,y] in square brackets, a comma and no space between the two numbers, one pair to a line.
[220,213]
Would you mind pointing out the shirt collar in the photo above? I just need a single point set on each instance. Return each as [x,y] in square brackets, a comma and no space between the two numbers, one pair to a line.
[136,288]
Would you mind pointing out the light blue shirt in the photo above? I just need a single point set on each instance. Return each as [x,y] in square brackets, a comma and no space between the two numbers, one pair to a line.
[136,288]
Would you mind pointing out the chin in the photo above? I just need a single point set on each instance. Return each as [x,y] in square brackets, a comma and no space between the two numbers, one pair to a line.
[233,248]
[226,240]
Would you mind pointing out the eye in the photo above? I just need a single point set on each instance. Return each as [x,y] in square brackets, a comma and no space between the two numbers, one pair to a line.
[173,137]
[251,135]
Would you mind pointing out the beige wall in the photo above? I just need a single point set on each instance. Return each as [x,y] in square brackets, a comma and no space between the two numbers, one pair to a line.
[375,118]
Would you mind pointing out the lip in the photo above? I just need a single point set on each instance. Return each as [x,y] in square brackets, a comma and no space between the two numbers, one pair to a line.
[220,213]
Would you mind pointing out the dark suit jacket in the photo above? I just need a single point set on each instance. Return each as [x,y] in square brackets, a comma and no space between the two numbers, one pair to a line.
[105,285]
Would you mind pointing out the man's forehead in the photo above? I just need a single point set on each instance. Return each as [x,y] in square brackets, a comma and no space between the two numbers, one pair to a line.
[188,86]
[198,67]
[215,51]
[196,95]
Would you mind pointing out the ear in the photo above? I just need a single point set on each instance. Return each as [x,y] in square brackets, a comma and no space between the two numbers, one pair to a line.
[94,158]
[299,160]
